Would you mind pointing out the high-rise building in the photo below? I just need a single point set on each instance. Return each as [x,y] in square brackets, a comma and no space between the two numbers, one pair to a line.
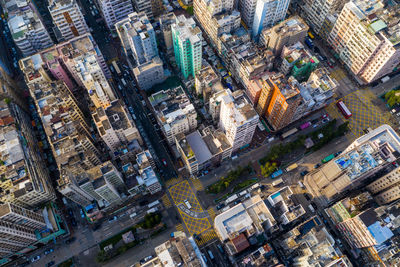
[216,17]
[366,38]
[149,74]
[237,119]
[15,214]
[24,175]
[114,10]
[68,18]
[187,40]
[374,151]
[152,8]
[166,20]
[315,12]
[207,82]
[138,37]
[268,13]
[286,33]
[174,112]
[279,100]
[27,29]
[387,188]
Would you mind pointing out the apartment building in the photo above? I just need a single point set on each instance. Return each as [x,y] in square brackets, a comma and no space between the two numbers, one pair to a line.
[187,40]
[207,82]
[25,180]
[266,14]
[68,18]
[298,62]
[315,12]
[15,214]
[216,17]
[310,244]
[366,38]
[279,100]
[316,93]
[237,119]
[285,33]
[200,151]
[238,224]
[149,74]
[138,37]
[26,27]
[113,11]
[175,114]
[214,104]
[387,188]
[179,251]
[283,208]
[152,8]
[370,155]
[245,60]
[166,20]
[115,125]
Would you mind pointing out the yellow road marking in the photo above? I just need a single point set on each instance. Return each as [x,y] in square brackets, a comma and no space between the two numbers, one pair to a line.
[197,184]
[166,201]
[206,236]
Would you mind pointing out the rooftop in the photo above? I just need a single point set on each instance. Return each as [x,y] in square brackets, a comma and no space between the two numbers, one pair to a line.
[135,24]
[290,26]
[249,216]
[362,159]
[171,105]
[241,110]
[283,206]
[187,29]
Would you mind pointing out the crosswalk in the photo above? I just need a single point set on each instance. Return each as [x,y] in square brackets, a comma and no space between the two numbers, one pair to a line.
[206,236]
[197,184]
[212,213]
[179,227]
[173,181]
[166,201]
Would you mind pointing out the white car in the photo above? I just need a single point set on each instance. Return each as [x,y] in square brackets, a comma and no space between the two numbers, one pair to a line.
[187,204]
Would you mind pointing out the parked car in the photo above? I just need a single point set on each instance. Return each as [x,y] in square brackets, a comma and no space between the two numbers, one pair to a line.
[164,162]
[48,251]
[220,206]
[337,153]
[303,173]
[317,165]
[36,258]
[51,263]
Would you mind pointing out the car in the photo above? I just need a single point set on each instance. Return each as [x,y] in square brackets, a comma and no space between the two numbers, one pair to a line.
[237,202]
[164,162]
[220,206]
[146,259]
[51,263]
[315,126]
[317,165]
[112,219]
[303,173]
[330,65]
[325,120]
[48,251]
[68,241]
[307,196]
[325,116]
[36,258]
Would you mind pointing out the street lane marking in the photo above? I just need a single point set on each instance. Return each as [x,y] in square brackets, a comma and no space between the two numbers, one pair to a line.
[166,201]
[197,184]
[206,236]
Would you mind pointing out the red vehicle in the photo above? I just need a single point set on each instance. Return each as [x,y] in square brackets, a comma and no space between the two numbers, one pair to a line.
[164,162]
[342,107]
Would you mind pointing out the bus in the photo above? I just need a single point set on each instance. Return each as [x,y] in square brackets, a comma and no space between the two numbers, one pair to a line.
[342,107]
[328,158]
[305,125]
[289,133]
[115,65]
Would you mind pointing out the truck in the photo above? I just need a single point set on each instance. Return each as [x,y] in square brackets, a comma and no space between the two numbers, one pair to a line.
[231,198]
[276,174]
[277,182]
[328,158]
[154,203]
[291,167]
